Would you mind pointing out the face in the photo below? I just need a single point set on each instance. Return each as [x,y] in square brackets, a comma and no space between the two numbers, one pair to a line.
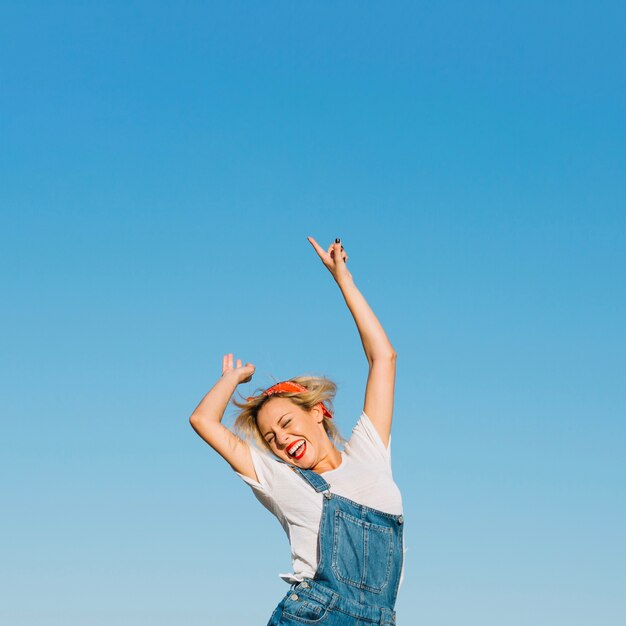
[293,433]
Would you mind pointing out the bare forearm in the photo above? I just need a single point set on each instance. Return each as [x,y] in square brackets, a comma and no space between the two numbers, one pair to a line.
[214,403]
[373,337]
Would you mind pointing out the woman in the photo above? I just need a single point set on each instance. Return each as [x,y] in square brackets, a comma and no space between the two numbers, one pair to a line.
[341,509]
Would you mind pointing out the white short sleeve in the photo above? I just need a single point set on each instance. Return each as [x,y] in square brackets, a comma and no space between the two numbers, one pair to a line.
[267,469]
[271,473]
[365,442]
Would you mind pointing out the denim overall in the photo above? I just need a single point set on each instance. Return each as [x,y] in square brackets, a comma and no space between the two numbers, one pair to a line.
[360,560]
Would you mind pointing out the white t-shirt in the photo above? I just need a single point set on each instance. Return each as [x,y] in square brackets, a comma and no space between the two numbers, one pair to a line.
[364,476]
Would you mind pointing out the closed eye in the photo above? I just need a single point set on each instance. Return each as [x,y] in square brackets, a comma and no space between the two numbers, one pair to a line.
[271,437]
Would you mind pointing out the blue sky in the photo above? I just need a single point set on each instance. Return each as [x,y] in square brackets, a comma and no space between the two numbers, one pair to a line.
[161,165]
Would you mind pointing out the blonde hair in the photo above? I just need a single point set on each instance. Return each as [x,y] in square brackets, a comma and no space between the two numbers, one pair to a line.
[319,389]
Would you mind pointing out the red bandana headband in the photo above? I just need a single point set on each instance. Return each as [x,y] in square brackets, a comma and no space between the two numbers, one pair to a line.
[289,386]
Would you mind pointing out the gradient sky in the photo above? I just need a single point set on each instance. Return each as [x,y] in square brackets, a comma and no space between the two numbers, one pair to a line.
[161,164]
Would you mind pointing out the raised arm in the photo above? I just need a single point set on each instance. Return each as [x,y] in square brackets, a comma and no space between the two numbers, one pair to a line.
[378,350]
[206,419]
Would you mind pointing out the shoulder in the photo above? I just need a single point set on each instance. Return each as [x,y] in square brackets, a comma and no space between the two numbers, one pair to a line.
[365,441]
[269,470]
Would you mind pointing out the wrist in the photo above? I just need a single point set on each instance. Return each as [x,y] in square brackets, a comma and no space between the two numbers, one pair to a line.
[230,378]
[344,281]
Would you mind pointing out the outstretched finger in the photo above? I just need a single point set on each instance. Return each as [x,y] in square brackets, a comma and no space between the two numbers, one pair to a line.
[238,362]
[224,363]
[318,248]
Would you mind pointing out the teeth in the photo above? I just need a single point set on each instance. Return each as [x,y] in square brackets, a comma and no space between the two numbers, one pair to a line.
[294,450]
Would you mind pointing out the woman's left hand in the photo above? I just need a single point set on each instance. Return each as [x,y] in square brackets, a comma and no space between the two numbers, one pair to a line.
[334,259]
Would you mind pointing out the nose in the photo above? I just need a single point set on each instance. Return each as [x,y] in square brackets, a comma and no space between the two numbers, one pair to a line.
[281,440]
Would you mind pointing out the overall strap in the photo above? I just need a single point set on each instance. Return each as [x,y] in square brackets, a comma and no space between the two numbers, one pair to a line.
[315,480]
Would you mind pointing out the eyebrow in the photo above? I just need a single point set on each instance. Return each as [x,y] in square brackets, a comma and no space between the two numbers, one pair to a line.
[278,422]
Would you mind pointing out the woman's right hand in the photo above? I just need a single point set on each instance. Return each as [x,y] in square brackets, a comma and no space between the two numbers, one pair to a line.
[237,371]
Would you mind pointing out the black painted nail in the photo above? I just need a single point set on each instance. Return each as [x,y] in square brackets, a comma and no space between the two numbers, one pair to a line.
[337,240]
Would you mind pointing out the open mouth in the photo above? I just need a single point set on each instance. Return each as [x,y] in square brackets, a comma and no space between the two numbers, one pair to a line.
[297,449]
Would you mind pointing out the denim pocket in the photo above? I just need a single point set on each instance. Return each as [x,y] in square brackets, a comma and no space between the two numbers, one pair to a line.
[362,552]
[303,607]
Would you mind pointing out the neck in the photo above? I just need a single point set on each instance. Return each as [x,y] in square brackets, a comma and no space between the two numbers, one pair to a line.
[331,461]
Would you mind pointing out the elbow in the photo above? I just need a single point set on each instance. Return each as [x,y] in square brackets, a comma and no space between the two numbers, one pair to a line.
[384,357]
